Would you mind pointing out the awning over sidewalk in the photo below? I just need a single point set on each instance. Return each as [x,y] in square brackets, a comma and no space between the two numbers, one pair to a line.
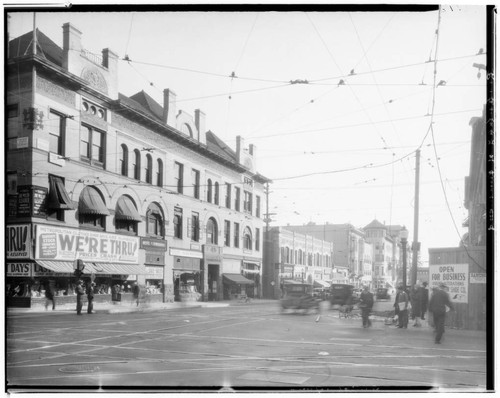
[94,268]
[321,283]
[237,279]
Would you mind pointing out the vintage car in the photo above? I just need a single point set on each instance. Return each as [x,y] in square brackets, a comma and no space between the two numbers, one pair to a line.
[342,294]
[299,297]
[383,293]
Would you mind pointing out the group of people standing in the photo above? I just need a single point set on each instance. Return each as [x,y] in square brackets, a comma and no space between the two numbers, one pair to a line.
[417,301]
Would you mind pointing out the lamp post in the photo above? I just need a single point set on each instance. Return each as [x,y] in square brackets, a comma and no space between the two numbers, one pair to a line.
[404,243]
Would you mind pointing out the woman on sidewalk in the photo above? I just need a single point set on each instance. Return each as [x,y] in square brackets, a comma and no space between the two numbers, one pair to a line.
[401,308]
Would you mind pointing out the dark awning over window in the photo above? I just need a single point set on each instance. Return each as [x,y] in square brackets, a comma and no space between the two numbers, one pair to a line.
[92,203]
[125,210]
[58,197]
[237,279]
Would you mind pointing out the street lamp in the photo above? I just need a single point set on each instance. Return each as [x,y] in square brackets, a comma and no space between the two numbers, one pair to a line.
[404,242]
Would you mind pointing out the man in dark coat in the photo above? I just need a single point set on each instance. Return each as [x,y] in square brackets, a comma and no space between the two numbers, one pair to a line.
[437,305]
[50,296]
[136,290]
[90,298]
[79,297]
[424,297]
[401,307]
[366,304]
[416,301]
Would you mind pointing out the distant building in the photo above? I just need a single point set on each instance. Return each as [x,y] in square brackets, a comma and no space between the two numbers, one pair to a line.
[348,257]
[293,256]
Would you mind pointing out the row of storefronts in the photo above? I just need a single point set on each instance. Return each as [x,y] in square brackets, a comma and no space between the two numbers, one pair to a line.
[41,256]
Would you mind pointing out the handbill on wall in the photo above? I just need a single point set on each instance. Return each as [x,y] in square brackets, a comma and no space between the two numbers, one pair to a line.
[455,277]
[68,244]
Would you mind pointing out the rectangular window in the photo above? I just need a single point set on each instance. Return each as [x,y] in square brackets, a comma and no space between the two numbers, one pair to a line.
[195,176]
[247,203]
[228,195]
[257,239]
[179,176]
[12,110]
[227,233]
[56,125]
[236,234]
[178,223]
[257,206]
[195,227]
[236,199]
[92,146]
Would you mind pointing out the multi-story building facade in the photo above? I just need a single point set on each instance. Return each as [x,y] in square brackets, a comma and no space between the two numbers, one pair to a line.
[347,245]
[136,190]
[367,278]
[293,256]
[376,233]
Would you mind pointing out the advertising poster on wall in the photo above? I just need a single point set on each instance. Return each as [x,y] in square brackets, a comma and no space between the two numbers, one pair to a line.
[65,244]
[455,277]
[18,241]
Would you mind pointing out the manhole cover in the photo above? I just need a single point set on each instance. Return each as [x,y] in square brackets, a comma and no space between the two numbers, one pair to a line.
[84,368]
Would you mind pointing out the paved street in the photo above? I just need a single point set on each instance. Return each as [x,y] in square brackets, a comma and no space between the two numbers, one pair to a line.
[240,346]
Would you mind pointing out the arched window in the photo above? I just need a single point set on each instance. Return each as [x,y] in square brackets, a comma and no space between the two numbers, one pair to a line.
[92,210]
[137,164]
[124,160]
[126,216]
[155,224]
[247,239]
[216,193]
[209,191]
[149,169]
[159,173]
[212,231]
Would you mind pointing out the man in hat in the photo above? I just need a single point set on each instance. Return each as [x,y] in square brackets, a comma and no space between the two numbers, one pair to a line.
[79,297]
[437,305]
[424,296]
[366,304]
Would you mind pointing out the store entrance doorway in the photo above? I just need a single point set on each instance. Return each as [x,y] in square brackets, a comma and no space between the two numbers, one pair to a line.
[213,281]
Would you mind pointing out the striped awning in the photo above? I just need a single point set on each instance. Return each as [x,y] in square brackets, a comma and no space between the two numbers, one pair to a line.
[94,268]
[237,279]
[321,283]
[92,203]
[58,197]
[125,210]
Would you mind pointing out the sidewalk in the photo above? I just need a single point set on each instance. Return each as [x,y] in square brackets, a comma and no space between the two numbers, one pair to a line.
[122,307]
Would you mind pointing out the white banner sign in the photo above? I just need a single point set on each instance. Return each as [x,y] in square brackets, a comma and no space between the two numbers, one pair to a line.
[455,277]
[477,277]
[18,269]
[71,244]
[18,241]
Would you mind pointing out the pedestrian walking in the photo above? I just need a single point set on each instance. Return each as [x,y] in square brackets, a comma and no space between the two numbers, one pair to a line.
[79,297]
[401,307]
[90,298]
[136,290]
[416,301]
[366,304]
[437,305]
[50,296]
[424,297]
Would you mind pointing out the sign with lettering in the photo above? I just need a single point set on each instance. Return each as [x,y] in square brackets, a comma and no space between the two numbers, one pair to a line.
[18,241]
[153,244]
[476,277]
[185,253]
[68,244]
[18,269]
[155,258]
[32,201]
[455,277]
[154,272]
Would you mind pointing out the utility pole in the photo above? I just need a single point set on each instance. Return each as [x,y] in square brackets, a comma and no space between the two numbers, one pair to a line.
[416,244]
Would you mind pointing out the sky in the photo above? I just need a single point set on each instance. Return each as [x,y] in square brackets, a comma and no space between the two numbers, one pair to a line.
[336,103]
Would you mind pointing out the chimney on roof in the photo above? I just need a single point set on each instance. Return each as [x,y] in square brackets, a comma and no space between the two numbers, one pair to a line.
[110,62]
[199,121]
[169,106]
[240,146]
[72,46]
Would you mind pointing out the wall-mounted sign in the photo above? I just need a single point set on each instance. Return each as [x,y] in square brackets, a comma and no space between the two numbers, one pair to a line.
[476,277]
[185,253]
[18,241]
[71,244]
[454,276]
[31,201]
[153,244]
[155,258]
[18,269]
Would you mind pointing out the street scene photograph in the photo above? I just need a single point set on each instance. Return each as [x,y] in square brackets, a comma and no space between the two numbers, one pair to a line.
[249,198]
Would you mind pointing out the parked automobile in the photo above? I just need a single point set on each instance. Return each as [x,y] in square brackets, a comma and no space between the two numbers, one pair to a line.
[299,297]
[383,294]
[342,294]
